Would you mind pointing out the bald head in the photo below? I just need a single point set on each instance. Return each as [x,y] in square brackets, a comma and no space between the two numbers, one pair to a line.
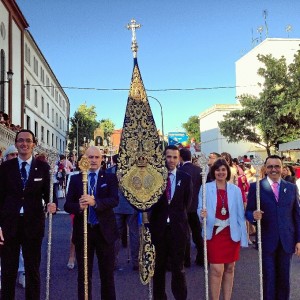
[94,155]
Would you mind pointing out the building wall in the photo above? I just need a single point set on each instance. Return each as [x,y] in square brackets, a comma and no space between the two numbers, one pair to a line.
[4,40]
[211,138]
[46,105]
[15,110]
[248,65]
[23,102]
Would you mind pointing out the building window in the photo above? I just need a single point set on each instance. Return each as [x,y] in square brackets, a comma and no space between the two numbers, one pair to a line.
[60,100]
[52,89]
[47,83]
[27,54]
[59,122]
[48,110]
[35,66]
[47,137]
[36,129]
[42,133]
[28,123]
[53,115]
[56,142]
[60,145]
[52,141]
[56,115]
[64,105]
[42,75]
[2,78]
[43,104]
[35,98]
[56,95]
[28,89]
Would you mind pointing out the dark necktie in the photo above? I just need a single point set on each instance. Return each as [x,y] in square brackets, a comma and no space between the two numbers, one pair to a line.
[24,173]
[92,219]
[169,187]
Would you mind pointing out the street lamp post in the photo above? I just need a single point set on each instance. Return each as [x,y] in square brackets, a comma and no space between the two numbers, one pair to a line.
[9,77]
[162,121]
[77,137]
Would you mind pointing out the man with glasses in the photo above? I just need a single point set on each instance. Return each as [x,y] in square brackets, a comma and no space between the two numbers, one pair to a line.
[24,184]
[100,200]
[280,227]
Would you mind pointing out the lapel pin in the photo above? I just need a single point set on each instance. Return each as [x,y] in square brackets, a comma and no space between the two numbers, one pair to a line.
[179,182]
[284,190]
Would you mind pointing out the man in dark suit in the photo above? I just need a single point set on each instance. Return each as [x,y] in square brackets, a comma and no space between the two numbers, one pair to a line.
[169,228]
[280,228]
[102,233]
[24,184]
[193,218]
[212,157]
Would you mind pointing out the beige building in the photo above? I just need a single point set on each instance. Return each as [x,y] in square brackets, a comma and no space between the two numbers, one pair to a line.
[34,98]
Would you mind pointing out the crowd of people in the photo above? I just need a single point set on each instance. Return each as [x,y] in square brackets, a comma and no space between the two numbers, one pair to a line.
[176,219]
[5,121]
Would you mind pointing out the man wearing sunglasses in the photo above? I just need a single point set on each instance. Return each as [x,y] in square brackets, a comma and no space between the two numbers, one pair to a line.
[280,228]
[100,200]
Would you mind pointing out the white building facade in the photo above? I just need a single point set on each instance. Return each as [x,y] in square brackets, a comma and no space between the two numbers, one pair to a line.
[247,81]
[34,98]
[247,66]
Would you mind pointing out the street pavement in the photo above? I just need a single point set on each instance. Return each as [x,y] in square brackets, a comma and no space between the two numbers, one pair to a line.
[63,283]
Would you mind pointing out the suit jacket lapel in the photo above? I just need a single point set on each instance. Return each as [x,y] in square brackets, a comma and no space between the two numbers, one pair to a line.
[212,189]
[16,170]
[268,189]
[282,191]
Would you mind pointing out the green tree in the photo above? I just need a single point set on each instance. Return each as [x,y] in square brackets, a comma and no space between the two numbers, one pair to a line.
[107,126]
[192,128]
[274,116]
[83,124]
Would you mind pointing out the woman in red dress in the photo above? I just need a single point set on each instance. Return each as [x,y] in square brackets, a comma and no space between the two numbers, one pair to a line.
[226,229]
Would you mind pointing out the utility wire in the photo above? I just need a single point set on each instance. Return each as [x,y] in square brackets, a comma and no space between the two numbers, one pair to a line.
[148,90]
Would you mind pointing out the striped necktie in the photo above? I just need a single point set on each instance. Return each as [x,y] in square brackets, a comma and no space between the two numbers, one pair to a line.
[92,218]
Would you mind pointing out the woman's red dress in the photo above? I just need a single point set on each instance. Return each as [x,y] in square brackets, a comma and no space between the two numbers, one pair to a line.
[221,248]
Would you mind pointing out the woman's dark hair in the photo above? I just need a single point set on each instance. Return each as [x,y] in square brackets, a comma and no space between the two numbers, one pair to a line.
[216,165]
[228,158]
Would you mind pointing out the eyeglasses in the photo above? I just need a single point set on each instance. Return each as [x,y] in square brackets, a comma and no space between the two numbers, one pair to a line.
[93,156]
[270,167]
[27,141]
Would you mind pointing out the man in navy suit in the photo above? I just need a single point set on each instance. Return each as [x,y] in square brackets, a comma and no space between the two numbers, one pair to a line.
[24,184]
[102,233]
[169,229]
[280,228]
[194,222]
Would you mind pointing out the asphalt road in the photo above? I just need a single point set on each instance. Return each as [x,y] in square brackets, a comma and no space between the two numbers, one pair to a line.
[63,283]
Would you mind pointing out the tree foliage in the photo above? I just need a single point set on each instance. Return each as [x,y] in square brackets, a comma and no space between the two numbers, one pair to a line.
[83,123]
[107,126]
[192,128]
[274,116]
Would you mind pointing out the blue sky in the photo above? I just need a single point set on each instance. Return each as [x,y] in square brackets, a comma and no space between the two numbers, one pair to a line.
[182,45]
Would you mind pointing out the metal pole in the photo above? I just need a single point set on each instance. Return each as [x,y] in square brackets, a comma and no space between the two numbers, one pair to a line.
[257,162]
[52,159]
[77,139]
[203,163]
[162,122]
